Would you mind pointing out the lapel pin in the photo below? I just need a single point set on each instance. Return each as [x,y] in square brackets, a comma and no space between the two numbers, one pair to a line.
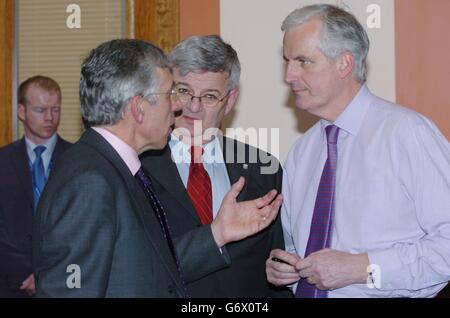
[245,166]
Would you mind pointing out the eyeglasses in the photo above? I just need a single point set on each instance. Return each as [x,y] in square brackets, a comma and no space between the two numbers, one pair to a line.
[172,94]
[185,97]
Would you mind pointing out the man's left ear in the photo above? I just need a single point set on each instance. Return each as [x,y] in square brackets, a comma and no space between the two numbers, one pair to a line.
[21,110]
[346,63]
[231,101]
[135,109]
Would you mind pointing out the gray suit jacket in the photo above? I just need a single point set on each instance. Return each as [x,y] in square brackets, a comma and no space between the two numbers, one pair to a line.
[245,276]
[94,214]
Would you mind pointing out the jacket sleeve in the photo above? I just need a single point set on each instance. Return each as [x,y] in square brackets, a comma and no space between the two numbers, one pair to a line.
[74,237]
[199,254]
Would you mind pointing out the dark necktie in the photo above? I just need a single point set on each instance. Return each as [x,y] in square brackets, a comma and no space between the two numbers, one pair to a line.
[320,233]
[38,175]
[199,187]
[150,193]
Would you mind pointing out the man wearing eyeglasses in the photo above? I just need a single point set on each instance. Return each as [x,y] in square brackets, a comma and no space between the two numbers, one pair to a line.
[100,229]
[195,171]
[25,166]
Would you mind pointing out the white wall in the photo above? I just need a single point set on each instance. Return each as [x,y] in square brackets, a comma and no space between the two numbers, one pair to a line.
[252,27]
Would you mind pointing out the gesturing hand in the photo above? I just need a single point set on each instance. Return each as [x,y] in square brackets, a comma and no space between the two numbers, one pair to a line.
[237,220]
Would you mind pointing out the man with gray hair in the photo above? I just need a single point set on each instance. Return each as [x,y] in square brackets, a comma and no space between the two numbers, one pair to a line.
[100,229]
[366,209]
[195,171]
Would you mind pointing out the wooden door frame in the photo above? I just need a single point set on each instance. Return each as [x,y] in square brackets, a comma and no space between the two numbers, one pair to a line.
[6,67]
[156,21]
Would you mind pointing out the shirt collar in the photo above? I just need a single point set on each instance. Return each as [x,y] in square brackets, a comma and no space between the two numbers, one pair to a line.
[352,117]
[49,145]
[125,151]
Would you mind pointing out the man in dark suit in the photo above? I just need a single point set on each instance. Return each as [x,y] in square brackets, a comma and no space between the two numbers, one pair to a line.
[101,229]
[206,74]
[39,103]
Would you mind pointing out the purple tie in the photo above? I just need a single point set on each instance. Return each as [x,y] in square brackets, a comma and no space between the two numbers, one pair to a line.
[320,232]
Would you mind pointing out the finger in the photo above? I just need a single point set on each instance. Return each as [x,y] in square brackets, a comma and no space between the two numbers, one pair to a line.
[276,204]
[305,273]
[286,275]
[269,212]
[285,256]
[281,267]
[266,199]
[236,188]
[286,272]
[276,252]
[303,264]
[281,278]
[281,281]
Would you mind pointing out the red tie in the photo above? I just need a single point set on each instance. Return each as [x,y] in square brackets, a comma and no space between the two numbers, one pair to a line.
[199,186]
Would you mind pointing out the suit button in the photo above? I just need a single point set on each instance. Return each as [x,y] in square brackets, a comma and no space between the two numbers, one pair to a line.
[171,289]
[29,237]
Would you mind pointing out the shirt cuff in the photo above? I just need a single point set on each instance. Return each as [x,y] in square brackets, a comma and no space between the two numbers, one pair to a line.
[386,270]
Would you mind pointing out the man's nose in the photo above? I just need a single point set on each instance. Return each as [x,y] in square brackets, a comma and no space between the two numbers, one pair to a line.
[195,105]
[291,73]
[48,114]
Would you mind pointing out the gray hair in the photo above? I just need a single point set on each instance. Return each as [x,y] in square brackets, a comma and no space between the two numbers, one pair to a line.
[341,33]
[113,73]
[208,53]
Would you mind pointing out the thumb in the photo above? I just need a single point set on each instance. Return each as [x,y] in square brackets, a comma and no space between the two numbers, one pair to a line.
[236,188]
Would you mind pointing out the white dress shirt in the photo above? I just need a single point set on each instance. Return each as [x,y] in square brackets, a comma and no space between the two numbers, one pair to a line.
[213,163]
[46,155]
[392,196]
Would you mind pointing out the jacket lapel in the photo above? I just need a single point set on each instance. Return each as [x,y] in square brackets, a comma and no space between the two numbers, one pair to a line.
[144,210]
[164,170]
[19,158]
[59,149]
